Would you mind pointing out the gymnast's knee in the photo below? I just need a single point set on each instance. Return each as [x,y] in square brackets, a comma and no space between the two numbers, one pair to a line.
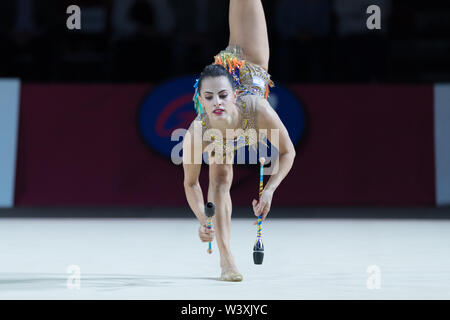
[221,180]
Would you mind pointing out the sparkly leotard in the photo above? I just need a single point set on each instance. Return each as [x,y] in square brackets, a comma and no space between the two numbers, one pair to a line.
[252,83]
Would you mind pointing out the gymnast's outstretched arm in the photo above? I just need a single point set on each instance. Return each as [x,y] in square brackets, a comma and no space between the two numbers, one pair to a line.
[191,168]
[269,120]
[248,30]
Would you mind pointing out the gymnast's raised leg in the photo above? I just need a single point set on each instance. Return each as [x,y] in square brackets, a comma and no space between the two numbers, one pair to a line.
[248,30]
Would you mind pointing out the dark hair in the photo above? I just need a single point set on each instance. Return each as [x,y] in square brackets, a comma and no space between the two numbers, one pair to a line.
[212,71]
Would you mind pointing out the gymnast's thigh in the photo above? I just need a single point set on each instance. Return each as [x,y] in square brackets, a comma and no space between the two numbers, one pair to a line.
[248,30]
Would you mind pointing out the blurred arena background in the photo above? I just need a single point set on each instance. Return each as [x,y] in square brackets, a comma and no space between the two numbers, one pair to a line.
[86,123]
[87,114]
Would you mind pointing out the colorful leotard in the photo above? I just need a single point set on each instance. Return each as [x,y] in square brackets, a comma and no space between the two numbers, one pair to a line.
[252,83]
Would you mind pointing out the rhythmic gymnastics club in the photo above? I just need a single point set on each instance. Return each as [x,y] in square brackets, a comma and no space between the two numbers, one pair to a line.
[209,212]
[258,248]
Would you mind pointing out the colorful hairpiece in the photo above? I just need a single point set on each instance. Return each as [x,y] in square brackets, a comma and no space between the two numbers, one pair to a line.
[197,104]
[232,64]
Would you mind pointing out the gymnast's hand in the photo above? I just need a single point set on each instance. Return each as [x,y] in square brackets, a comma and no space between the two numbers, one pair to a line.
[205,234]
[263,205]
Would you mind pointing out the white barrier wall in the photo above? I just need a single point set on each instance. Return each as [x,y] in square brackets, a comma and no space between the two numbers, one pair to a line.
[9,117]
[442,142]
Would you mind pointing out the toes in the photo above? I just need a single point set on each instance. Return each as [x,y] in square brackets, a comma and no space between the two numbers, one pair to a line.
[231,276]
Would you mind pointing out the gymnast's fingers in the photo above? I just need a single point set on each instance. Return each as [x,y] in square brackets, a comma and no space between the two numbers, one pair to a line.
[260,208]
[206,229]
[254,203]
[256,207]
[205,234]
[209,236]
[264,213]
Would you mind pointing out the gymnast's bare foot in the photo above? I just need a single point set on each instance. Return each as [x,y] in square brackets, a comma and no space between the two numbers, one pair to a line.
[230,271]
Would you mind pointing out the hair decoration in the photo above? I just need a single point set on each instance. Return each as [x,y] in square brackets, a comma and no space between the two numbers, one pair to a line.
[197,104]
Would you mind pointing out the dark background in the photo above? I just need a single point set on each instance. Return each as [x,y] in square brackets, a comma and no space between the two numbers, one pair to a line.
[312,41]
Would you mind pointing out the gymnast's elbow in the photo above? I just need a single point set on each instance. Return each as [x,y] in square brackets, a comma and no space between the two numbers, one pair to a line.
[289,156]
[292,153]
[289,152]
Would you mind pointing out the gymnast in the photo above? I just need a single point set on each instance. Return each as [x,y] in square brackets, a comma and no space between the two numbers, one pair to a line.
[232,93]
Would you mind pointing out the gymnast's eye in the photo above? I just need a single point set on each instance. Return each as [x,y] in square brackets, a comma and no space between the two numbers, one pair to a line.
[223,96]
[208,98]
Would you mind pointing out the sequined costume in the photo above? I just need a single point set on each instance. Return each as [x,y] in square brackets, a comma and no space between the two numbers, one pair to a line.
[252,83]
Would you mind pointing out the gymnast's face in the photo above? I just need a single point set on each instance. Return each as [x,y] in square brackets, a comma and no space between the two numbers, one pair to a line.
[218,98]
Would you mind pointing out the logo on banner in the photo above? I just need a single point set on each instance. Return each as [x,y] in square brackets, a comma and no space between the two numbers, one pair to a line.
[169,107]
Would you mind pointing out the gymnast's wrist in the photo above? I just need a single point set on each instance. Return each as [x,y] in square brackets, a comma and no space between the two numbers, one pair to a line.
[270,189]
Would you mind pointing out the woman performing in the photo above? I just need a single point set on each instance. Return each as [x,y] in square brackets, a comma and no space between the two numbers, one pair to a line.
[232,94]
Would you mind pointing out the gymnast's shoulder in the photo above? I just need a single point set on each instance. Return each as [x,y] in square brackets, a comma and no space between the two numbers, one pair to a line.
[268,119]
[266,116]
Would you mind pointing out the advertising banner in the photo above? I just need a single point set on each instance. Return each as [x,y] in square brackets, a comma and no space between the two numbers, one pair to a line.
[110,145]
